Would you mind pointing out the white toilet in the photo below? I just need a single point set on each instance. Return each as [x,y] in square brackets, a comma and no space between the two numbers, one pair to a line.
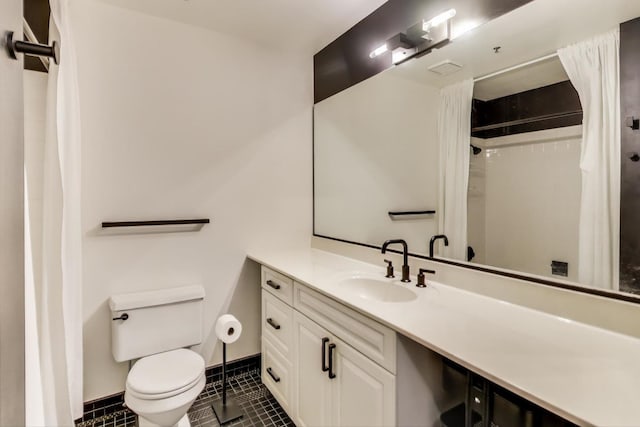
[157,327]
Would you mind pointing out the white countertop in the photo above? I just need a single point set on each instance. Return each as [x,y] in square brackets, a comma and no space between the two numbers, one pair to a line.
[585,374]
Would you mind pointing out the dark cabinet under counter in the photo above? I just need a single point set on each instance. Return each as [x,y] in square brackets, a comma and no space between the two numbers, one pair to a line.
[485,404]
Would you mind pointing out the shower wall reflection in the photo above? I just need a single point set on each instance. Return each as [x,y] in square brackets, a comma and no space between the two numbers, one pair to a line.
[525,184]
[524,201]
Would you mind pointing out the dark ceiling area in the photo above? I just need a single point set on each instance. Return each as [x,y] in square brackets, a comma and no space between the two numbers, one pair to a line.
[36,13]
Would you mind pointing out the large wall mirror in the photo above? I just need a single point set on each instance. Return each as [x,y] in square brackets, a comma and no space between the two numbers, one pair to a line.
[380,171]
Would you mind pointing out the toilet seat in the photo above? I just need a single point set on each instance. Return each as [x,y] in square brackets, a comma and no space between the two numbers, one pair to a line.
[164,375]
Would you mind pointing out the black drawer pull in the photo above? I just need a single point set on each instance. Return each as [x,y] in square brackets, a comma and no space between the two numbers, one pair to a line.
[325,340]
[123,316]
[272,375]
[273,284]
[332,374]
[273,324]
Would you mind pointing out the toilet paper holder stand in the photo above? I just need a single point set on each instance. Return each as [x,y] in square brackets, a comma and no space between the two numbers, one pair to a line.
[225,408]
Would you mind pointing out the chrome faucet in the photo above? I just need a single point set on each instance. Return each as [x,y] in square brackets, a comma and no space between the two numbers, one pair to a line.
[405,257]
[433,240]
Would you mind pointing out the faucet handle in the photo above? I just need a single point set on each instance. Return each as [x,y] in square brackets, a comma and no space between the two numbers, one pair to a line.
[421,283]
[389,269]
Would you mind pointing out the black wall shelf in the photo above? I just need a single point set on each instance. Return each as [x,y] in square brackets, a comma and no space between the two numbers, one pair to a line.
[115,224]
[393,214]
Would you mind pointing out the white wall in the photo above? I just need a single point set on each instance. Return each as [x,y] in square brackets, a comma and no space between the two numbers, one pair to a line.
[532,201]
[375,151]
[181,122]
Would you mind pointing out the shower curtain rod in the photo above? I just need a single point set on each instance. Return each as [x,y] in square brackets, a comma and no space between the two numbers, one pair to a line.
[29,34]
[515,67]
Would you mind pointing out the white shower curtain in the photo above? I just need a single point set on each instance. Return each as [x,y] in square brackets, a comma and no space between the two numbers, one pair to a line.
[454,134]
[593,68]
[57,320]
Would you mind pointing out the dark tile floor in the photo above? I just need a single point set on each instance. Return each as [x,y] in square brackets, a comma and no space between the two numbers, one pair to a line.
[258,405]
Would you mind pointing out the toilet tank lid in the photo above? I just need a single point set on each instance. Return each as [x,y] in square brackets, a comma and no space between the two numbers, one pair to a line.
[133,300]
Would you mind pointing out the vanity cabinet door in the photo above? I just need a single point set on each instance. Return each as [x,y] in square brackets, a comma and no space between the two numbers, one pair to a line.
[363,393]
[312,385]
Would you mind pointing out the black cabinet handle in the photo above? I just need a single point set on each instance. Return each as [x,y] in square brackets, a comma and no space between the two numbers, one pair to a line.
[273,284]
[273,324]
[325,340]
[332,347]
[272,375]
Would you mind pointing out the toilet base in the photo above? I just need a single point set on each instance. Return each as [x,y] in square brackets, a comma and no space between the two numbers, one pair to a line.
[183,422]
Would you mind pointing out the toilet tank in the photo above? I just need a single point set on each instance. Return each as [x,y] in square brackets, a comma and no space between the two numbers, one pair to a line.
[156,321]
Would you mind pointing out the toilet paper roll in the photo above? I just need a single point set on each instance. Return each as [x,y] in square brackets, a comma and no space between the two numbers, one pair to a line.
[228,328]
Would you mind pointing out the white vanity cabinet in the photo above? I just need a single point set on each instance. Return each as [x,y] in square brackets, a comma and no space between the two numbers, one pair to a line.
[278,353]
[335,384]
[325,363]
[313,388]
[330,365]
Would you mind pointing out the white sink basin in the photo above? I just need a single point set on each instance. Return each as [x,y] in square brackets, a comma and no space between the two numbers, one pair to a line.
[378,289]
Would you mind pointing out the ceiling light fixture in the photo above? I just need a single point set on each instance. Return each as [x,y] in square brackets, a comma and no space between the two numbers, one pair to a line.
[399,45]
[419,39]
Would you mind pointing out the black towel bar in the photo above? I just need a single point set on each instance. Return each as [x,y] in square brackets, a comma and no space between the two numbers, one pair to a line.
[156,222]
[33,49]
[407,213]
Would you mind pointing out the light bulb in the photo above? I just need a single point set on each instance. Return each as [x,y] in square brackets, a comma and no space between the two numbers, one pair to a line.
[379,51]
[434,22]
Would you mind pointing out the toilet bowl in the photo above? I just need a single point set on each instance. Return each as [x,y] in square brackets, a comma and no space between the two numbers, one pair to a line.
[162,387]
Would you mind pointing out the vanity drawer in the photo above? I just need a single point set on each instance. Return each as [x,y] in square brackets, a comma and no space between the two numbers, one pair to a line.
[371,338]
[277,323]
[278,284]
[277,375]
